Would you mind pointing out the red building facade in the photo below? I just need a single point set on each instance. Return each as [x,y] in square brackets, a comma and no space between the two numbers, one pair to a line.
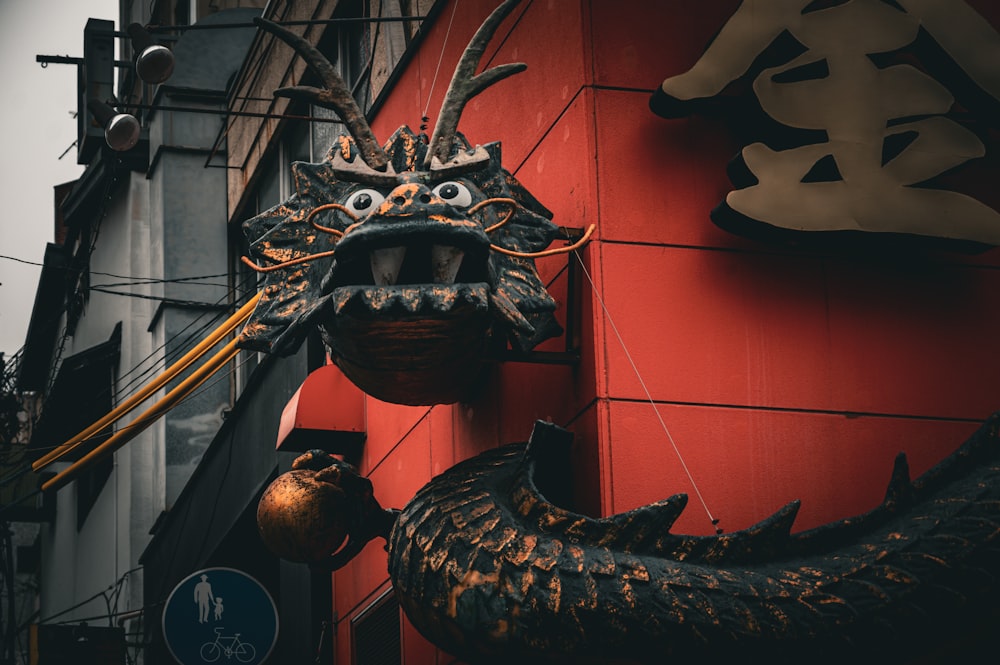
[745,373]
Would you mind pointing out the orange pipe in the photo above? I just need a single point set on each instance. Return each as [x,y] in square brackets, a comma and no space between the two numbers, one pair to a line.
[230,324]
[148,417]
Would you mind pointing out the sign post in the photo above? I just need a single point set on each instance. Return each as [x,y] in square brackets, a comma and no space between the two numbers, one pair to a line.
[220,614]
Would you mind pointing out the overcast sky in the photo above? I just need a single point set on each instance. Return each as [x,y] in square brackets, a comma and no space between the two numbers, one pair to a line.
[36,126]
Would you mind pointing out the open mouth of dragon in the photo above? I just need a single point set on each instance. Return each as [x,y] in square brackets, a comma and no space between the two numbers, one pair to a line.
[410,307]
[415,267]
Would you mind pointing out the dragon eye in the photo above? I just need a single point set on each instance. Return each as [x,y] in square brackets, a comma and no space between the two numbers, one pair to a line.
[454,193]
[363,201]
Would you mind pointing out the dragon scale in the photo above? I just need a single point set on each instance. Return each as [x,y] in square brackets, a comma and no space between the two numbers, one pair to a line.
[483,563]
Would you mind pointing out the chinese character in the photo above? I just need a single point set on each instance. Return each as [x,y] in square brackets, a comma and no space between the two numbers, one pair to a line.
[855,132]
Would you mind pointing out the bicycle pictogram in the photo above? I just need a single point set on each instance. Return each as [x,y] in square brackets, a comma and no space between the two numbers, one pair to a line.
[229,646]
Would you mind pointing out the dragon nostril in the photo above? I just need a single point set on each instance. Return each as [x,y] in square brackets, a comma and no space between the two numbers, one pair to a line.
[425,198]
[399,200]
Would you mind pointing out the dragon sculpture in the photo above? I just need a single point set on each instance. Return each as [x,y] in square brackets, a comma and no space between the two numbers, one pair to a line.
[488,567]
[415,259]
[489,560]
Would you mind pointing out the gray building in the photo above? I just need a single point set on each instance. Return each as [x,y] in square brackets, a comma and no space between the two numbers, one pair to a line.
[139,274]
[146,266]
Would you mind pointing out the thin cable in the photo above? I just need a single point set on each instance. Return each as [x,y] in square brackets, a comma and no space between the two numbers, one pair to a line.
[97,595]
[14,474]
[134,278]
[430,93]
[164,404]
[134,400]
[182,344]
[83,272]
[649,397]
[147,418]
[142,296]
[148,281]
[194,394]
[98,433]
[366,72]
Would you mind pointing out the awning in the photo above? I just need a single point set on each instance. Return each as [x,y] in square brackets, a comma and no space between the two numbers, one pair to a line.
[326,412]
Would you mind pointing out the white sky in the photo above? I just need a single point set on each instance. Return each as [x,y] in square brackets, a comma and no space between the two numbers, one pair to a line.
[36,126]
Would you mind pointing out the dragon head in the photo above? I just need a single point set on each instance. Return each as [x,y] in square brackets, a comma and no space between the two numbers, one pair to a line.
[414,258]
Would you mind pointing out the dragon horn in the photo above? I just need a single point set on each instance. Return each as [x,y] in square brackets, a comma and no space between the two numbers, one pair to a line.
[464,85]
[335,94]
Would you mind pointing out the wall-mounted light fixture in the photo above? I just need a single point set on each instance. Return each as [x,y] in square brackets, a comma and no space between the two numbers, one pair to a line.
[96,80]
[121,130]
[154,62]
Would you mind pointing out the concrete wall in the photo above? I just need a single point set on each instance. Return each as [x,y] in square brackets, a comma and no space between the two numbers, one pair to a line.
[78,563]
[166,224]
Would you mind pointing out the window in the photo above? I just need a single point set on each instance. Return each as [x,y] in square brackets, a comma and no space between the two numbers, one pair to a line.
[365,54]
[83,392]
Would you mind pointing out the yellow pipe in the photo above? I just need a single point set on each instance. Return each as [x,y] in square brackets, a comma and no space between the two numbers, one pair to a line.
[148,417]
[241,315]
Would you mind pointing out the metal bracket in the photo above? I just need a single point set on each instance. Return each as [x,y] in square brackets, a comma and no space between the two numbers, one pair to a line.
[571,353]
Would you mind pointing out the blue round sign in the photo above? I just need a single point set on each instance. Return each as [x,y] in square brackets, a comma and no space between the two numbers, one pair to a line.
[220,615]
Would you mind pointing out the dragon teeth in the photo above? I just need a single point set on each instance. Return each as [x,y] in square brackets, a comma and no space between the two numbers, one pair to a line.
[445,262]
[386,264]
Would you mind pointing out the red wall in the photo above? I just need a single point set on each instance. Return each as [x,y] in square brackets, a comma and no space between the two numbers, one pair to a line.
[781,374]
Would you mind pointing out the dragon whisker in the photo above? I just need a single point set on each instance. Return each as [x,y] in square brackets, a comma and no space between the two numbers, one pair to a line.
[286,264]
[482,204]
[331,206]
[548,252]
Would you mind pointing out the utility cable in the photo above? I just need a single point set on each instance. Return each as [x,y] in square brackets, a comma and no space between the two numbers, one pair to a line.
[173,371]
[147,418]
[424,118]
[649,397]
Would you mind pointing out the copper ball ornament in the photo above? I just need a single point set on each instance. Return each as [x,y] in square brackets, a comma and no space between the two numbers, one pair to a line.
[302,519]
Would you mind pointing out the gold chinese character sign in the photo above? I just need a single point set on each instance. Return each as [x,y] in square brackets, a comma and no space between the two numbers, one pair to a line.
[855,120]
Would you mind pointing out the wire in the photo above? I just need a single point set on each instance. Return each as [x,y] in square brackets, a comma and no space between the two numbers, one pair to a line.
[366,73]
[109,187]
[430,92]
[181,348]
[78,605]
[143,296]
[194,394]
[649,397]
[133,278]
[164,281]
[183,345]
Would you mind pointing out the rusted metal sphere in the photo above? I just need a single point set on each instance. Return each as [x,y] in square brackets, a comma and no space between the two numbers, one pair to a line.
[302,519]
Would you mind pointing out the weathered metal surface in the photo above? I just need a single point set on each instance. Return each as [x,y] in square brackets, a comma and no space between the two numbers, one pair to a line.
[418,331]
[404,259]
[307,513]
[488,568]
[301,518]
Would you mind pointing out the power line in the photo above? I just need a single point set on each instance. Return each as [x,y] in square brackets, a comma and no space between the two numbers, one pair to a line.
[182,345]
[143,296]
[134,279]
